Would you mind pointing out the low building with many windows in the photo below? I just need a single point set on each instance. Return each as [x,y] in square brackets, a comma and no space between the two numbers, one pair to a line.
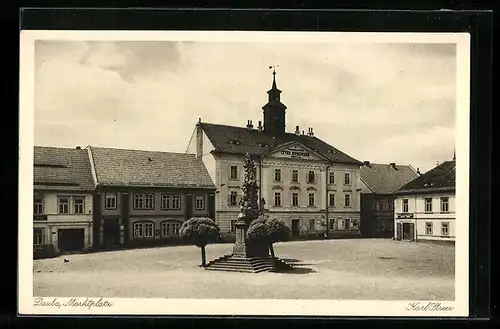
[62,205]
[304,181]
[378,184]
[145,196]
[425,207]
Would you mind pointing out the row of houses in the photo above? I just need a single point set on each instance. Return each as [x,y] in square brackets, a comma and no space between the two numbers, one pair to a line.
[103,197]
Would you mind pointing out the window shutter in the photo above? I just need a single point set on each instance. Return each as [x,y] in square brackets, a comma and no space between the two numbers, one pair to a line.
[399,231]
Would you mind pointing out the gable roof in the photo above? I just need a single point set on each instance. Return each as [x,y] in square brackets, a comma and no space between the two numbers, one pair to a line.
[64,169]
[135,168]
[241,140]
[440,178]
[384,179]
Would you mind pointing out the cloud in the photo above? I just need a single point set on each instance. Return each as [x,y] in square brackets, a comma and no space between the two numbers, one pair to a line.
[369,100]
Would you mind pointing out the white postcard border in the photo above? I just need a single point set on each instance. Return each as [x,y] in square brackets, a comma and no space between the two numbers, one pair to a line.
[136,306]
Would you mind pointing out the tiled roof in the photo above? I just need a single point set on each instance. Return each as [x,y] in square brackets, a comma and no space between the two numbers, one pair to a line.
[62,169]
[241,140]
[440,178]
[134,168]
[384,178]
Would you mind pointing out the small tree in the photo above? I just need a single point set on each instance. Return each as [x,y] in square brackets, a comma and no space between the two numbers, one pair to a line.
[268,231]
[200,231]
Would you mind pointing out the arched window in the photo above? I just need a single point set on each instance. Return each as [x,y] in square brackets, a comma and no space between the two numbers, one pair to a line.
[144,229]
[170,228]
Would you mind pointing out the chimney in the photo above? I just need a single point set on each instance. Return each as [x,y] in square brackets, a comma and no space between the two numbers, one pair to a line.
[311,133]
[78,148]
[393,165]
[418,170]
[260,126]
[249,124]
[297,130]
[366,163]
[302,132]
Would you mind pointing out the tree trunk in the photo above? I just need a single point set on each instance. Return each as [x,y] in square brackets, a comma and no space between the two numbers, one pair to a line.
[203,257]
[271,250]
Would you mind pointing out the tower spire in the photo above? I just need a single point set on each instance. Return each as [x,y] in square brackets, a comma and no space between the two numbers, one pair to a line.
[274,110]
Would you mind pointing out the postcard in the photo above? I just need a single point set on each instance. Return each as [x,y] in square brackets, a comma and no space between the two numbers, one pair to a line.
[244,173]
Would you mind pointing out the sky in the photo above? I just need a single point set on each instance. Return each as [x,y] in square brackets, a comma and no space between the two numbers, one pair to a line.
[376,102]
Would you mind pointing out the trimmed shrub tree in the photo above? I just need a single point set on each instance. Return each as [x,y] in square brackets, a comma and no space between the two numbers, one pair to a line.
[268,231]
[200,231]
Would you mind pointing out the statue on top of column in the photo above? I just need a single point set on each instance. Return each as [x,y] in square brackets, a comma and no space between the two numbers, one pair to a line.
[249,202]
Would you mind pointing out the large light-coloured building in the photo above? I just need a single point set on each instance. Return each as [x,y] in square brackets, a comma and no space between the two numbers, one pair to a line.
[425,207]
[310,185]
[62,205]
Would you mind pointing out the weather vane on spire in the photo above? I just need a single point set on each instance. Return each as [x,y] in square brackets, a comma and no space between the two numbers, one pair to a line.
[274,66]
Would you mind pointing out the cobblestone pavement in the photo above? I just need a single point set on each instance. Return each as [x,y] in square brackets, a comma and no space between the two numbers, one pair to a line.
[373,269]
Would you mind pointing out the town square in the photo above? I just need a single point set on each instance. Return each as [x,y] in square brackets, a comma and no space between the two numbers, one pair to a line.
[373,269]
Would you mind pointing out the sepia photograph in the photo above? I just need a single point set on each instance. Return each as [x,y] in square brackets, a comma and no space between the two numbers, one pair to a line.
[261,173]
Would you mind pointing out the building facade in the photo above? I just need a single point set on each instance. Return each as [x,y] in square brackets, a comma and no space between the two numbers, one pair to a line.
[63,199]
[143,197]
[425,207]
[378,184]
[310,185]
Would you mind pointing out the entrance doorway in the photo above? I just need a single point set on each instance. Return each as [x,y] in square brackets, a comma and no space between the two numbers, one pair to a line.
[408,233]
[295,227]
[71,239]
[111,232]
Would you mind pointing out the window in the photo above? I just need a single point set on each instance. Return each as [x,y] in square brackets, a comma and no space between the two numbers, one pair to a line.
[355,224]
[38,206]
[295,176]
[347,223]
[405,205]
[331,223]
[428,228]
[170,228]
[233,198]
[170,201]
[311,224]
[381,205]
[295,199]
[277,175]
[78,205]
[63,205]
[38,236]
[311,199]
[233,225]
[143,230]
[233,175]
[428,204]
[332,178]
[200,202]
[310,177]
[332,200]
[347,178]
[277,199]
[347,200]
[445,204]
[445,228]
[110,200]
[144,201]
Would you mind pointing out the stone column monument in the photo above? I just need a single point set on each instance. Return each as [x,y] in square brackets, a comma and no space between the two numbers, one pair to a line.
[249,209]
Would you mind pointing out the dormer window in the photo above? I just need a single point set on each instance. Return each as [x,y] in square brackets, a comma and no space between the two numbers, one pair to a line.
[263,145]
[235,141]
